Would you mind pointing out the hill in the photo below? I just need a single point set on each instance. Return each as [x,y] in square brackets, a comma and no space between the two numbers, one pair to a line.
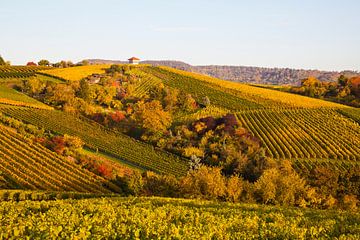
[245,74]
[200,136]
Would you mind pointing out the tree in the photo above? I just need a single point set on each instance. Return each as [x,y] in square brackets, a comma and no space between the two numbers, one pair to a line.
[105,95]
[33,86]
[206,182]
[2,61]
[234,188]
[44,62]
[85,62]
[281,185]
[152,117]
[84,91]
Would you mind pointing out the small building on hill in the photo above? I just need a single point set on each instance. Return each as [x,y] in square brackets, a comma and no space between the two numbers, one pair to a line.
[134,60]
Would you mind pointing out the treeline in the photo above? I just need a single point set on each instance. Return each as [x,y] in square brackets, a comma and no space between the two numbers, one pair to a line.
[277,184]
[346,90]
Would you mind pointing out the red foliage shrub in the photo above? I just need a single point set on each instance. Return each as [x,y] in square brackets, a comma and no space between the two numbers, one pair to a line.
[105,170]
[117,116]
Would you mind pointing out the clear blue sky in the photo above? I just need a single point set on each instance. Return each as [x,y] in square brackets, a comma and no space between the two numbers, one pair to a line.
[310,34]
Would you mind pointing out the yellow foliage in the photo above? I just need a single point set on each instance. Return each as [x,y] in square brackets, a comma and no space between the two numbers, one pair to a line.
[189,151]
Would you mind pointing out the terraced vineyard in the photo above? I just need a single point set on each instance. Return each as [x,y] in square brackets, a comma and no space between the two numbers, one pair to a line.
[304,133]
[32,166]
[98,138]
[13,97]
[75,73]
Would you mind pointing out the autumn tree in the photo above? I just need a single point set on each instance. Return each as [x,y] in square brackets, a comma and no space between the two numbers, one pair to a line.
[44,62]
[105,95]
[206,182]
[151,117]
[33,86]
[281,185]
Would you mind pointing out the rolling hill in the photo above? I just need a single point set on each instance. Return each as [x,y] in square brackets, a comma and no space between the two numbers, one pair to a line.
[305,130]
[244,74]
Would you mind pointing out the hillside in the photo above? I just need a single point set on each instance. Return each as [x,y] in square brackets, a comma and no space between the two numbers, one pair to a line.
[245,74]
[198,135]
[26,165]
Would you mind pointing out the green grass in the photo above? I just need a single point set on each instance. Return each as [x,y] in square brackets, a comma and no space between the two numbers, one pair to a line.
[45,78]
[164,218]
[12,97]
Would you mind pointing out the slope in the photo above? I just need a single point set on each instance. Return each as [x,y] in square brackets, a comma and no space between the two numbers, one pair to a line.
[27,165]
[12,97]
[75,73]
[289,126]
[99,138]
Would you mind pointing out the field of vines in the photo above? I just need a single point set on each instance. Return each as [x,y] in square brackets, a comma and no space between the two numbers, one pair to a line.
[27,165]
[199,90]
[75,73]
[13,97]
[163,218]
[266,97]
[306,165]
[19,71]
[38,195]
[304,133]
[353,113]
[98,138]
[145,82]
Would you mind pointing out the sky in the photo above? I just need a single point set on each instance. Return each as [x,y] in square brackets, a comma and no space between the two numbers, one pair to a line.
[306,34]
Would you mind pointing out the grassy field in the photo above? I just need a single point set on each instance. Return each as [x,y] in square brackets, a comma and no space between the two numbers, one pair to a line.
[163,218]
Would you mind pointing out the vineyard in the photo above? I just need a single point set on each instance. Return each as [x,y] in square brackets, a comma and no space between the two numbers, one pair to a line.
[19,71]
[304,133]
[146,82]
[99,138]
[75,73]
[353,113]
[250,96]
[13,97]
[200,90]
[306,165]
[163,218]
[27,165]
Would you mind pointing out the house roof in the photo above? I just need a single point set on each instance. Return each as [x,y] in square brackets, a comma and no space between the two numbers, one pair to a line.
[133,58]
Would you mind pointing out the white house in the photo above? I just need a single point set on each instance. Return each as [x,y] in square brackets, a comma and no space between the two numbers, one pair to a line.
[134,60]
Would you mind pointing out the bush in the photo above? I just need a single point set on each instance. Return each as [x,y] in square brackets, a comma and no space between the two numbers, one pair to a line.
[206,182]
